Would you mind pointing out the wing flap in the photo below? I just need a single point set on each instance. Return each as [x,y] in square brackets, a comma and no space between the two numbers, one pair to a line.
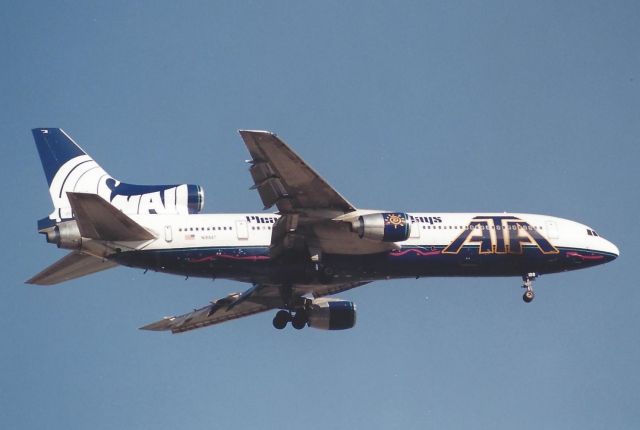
[97,219]
[71,266]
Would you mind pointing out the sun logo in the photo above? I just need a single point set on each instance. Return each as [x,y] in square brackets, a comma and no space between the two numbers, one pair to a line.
[395,220]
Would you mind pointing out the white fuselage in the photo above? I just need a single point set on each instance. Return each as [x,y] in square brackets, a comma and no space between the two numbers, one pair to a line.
[241,229]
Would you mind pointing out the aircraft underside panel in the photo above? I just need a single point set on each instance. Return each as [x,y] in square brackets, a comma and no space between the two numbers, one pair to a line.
[253,264]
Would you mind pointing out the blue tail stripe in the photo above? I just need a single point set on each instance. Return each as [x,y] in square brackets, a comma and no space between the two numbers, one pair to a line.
[55,148]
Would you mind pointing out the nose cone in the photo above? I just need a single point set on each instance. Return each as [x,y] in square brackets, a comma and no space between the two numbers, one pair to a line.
[610,249]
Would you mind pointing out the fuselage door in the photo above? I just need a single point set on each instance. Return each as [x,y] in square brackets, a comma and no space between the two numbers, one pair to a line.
[415,230]
[552,230]
[168,233]
[242,229]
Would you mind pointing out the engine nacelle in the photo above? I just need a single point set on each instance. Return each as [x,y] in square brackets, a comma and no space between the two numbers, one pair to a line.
[153,199]
[384,227]
[195,199]
[65,235]
[332,314]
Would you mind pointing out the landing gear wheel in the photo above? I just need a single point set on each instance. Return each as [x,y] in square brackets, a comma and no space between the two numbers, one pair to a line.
[528,296]
[299,320]
[528,285]
[281,319]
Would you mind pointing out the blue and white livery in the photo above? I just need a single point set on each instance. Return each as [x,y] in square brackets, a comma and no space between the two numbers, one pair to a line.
[316,245]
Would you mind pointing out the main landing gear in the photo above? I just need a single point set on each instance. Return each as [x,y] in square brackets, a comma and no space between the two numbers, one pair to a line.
[298,321]
[528,284]
[295,310]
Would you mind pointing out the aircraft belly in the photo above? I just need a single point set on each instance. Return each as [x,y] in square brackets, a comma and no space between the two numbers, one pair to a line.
[229,262]
[253,264]
[417,261]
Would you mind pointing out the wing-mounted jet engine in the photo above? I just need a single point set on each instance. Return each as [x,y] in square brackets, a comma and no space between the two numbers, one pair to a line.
[384,227]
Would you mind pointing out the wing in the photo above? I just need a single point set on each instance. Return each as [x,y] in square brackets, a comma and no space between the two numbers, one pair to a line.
[284,179]
[71,266]
[255,300]
[315,217]
[259,298]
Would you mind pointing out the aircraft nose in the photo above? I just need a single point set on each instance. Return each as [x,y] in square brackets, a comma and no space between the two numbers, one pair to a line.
[610,248]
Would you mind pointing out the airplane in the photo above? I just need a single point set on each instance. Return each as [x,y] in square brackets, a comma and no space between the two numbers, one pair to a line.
[316,245]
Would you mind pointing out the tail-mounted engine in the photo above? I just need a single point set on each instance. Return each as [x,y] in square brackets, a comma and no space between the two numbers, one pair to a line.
[153,199]
[384,227]
[65,235]
[332,314]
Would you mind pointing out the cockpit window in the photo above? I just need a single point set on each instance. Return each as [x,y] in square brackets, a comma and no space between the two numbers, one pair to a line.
[592,232]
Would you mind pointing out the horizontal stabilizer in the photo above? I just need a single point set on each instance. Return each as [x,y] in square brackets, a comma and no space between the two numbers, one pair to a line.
[71,266]
[97,219]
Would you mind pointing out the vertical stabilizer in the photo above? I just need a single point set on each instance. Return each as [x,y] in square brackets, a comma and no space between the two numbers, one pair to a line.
[68,168]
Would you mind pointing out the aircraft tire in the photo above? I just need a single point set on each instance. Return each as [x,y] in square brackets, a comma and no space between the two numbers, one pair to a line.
[281,319]
[528,296]
[299,320]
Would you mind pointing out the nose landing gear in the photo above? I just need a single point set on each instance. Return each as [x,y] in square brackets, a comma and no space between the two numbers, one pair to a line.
[527,280]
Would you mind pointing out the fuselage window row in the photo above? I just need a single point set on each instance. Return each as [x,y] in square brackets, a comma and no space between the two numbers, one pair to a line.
[199,229]
[481,227]
[203,228]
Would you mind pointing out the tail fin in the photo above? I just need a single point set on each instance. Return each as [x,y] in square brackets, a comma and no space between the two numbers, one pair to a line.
[68,168]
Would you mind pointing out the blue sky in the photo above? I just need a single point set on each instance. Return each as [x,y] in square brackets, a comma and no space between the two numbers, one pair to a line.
[425,106]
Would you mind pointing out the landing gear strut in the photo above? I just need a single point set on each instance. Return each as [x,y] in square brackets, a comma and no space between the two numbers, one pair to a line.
[294,310]
[528,284]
